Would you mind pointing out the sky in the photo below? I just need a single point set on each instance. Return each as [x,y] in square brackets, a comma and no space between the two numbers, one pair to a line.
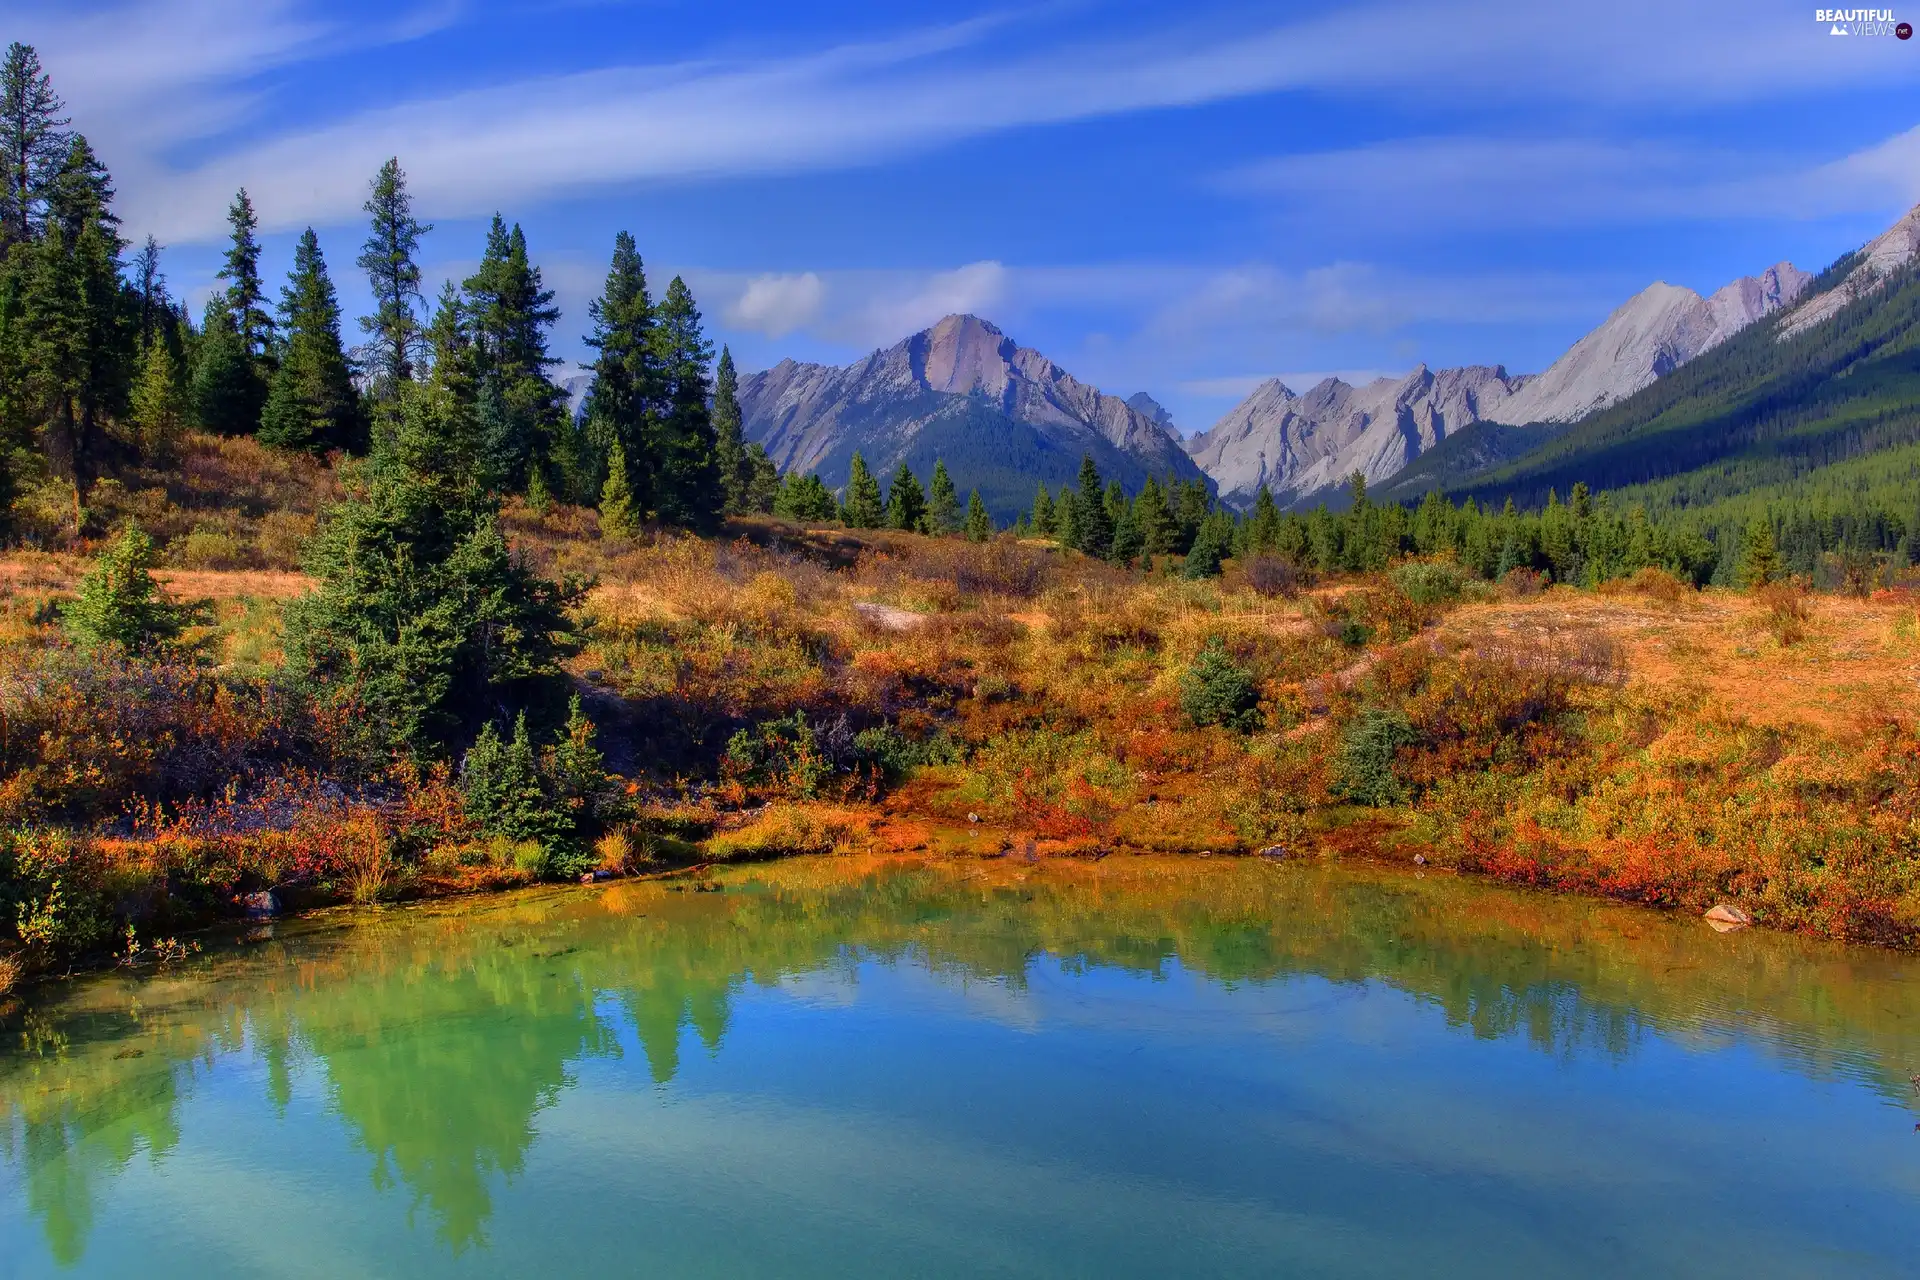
[1179,199]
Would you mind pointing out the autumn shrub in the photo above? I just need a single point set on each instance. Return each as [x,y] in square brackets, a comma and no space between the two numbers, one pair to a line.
[1654,583]
[1271,576]
[787,829]
[1521,584]
[84,735]
[1786,611]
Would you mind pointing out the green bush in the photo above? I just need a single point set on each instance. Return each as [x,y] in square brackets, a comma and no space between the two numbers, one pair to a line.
[120,605]
[1364,768]
[897,756]
[783,753]
[1430,582]
[555,799]
[1216,690]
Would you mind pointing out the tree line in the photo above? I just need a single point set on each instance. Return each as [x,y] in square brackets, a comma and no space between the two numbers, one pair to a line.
[100,367]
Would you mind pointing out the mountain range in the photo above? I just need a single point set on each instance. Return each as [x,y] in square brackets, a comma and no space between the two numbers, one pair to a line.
[1302,446]
[1003,417]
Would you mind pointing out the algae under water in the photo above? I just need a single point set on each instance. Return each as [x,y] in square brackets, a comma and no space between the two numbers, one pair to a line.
[862,1067]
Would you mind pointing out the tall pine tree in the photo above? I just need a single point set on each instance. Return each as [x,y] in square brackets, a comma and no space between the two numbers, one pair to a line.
[390,259]
[33,143]
[731,457]
[312,403]
[906,501]
[510,311]
[862,508]
[1092,523]
[943,502]
[687,488]
[625,391]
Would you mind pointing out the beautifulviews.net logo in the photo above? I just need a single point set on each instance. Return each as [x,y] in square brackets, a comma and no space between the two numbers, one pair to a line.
[1863,22]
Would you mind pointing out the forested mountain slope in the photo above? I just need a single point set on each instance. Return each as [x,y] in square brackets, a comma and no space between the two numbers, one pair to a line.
[1817,427]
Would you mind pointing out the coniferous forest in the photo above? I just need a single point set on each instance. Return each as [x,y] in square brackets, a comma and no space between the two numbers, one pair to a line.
[335,606]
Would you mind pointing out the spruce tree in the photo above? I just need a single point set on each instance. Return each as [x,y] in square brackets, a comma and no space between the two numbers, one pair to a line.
[150,287]
[1759,559]
[509,311]
[1209,548]
[1190,511]
[1263,526]
[75,346]
[906,501]
[1127,540]
[763,484]
[1092,524]
[120,606]
[246,296]
[161,403]
[862,508]
[979,524]
[224,389]
[312,403]
[33,143]
[1043,517]
[805,498]
[618,517]
[1066,519]
[390,258]
[943,502]
[423,626]
[688,490]
[730,454]
[1154,520]
[626,390]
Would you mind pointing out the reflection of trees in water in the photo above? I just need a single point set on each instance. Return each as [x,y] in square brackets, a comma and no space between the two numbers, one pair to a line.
[443,1032]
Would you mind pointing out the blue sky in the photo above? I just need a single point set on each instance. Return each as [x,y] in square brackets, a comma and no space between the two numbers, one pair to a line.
[1181,199]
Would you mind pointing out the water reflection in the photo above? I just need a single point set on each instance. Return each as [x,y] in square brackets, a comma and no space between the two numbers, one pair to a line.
[440,1034]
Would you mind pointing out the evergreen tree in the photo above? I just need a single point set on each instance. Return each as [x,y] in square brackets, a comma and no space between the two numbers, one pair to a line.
[1127,540]
[618,516]
[390,258]
[862,509]
[224,388]
[1066,519]
[805,498]
[1216,690]
[74,346]
[1092,525]
[626,392]
[312,403]
[1263,526]
[33,143]
[502,789]
[1189,513]
[763,484]
[688,489]
[906,501]
[979,523]
[731,457]
[1043,517]
[1154,520]
[508,311]
[943,502]
[1759,558]
[246,296]
[150,287]
[81,193]
[1209,547]
[120,606]
[161,403]
[423,625]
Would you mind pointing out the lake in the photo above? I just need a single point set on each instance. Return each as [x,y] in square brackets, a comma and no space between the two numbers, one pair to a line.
[833,1067]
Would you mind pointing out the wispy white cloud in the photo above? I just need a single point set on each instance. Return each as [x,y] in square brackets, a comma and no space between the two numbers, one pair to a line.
[1418,185]
[860,103]
[776,305]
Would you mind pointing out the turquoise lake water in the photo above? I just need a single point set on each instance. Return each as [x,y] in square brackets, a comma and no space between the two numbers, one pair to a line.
[840,1068]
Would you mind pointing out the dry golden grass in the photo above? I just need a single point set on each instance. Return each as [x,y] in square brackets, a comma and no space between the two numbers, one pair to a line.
[1857,658]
